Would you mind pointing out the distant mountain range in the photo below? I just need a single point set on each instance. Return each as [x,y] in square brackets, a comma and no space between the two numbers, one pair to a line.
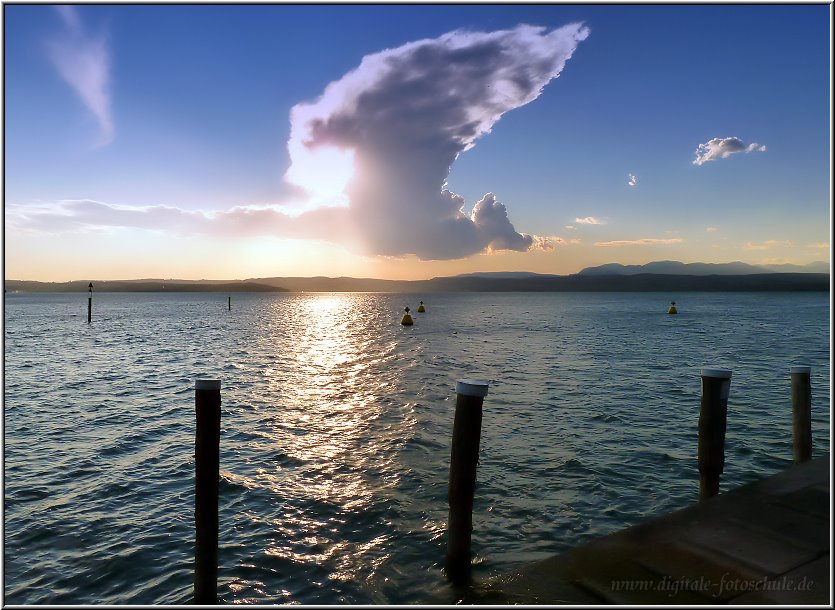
[678,268]
[660,276]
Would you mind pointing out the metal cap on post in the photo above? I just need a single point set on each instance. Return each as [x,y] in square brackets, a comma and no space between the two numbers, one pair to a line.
[467,387]
[466,436]
[206,483]
[713,416]
[801,413]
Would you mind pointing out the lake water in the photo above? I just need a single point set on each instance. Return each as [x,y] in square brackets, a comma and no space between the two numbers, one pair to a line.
[336,429]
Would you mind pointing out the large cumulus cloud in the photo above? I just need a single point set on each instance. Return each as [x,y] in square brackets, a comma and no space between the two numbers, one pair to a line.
[407,113]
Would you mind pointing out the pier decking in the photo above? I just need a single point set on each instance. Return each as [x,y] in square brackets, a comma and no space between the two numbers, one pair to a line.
[767,542]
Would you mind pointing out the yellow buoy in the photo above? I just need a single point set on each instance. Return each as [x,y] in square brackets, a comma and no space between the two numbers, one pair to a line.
[407,319]
[421,308]
[672,308]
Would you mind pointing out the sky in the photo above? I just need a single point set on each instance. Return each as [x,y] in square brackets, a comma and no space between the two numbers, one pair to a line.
[411,141]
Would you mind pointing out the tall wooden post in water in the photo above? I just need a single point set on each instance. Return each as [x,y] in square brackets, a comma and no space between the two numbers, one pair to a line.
[207,475]
[801,413]
[90,303]
[466,435]
[713,417]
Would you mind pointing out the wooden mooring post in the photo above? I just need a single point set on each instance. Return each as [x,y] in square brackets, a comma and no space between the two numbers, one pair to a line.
[801,413]
[466,435]
[713,417]
[230,302]
[90,303]
[206,481]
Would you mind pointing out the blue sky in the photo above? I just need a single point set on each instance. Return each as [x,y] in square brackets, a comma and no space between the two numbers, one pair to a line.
[189,107]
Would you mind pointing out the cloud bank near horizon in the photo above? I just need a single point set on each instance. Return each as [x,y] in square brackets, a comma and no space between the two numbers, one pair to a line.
[720,148]
[83,61]
[398,121]
[646,241]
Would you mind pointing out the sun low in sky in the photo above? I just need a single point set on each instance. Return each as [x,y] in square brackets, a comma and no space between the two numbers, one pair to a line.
[411,141]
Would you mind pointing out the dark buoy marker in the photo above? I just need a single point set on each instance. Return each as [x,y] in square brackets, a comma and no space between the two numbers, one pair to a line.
[713,417]
[672,308]
[421,308]
[801,413]
[206,480]
[466,435]
[90,303]
[407,319]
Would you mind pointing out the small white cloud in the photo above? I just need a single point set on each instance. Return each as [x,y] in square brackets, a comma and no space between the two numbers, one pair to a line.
[549,243]
[633,180]
[711,229]
[719,148]
[819,246]
[571,227]
[768,244]
[588,220]
[647,241]
[84,63]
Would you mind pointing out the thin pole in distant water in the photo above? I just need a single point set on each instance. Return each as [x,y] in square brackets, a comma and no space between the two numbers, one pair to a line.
[90,303]
[206,482]
[466,435]
[230,302]
[713,417]
[801,413]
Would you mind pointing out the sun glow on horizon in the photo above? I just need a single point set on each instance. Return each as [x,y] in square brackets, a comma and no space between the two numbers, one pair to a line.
[323,172]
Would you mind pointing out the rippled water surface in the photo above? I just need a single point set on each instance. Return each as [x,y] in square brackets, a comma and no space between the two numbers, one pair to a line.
[336,428]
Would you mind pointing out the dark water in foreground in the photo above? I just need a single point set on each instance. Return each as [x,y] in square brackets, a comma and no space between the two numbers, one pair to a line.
[336,431]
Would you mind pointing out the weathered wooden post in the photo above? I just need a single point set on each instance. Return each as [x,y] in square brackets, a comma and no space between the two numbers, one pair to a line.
[207,475]
[230,302]
[466,434]
[90,303]
[801,413]
[713,417]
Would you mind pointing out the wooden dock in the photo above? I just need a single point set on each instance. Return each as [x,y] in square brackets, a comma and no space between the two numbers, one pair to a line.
[764,543]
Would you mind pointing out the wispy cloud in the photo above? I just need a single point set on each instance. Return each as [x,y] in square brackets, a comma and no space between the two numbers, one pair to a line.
[711,229]
[588,220]
[719,148]
[647,241]
[819,246]
[633,180]
[83,61]
[768,244]
[571,227]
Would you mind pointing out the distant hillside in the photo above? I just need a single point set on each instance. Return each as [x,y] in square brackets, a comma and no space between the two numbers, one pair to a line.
[816,267]
[506,274]
[678,268]
[640,282]
[140,286]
